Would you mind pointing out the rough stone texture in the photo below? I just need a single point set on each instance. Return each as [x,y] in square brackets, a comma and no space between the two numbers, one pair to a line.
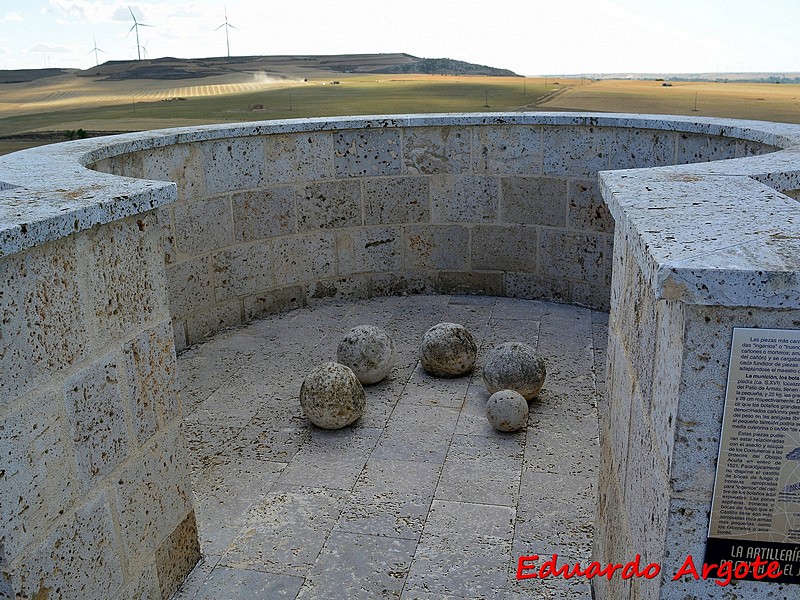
[507,410]
[332,397]
[448,350]
[177,556]
[368,351]
[514,366]
[262,214]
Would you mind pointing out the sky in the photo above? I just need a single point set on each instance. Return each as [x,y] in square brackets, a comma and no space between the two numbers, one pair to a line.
[530,37]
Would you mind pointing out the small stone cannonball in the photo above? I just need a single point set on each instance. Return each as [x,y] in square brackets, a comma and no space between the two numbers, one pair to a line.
[448,350]
[368,351]
[332,397]
[514,366]
[507,410]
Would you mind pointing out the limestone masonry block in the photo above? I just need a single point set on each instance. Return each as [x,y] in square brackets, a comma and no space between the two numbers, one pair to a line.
[507,150]
[273,301]
[329,204]
[262,214]
[586,208]
[177,556]
[303,257]
[44,325]
[367,153]
[299,157]
[242,270]
[190,286]
[430,150]
[77,560]
[37,479]
[396,200]
[471,198]
[504,248]
[534,200]
[576,151]
[436,247]
[234,164]
[631,146]
[572,254]
[182,164]
[370,249]
[152,380]
[203,225]
[97,419]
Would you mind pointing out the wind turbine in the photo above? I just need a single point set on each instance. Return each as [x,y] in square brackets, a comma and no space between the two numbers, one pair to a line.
[96,50]
[144,48]
[226,25]
[136,26]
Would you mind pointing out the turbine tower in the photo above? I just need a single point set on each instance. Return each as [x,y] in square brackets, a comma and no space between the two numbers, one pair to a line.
[136,26]
[226,25]
[95,50]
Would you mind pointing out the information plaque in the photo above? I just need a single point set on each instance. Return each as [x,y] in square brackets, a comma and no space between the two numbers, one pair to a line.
[756,507]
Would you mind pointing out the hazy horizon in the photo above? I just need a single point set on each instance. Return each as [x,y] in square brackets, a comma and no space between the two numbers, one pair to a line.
[529,37]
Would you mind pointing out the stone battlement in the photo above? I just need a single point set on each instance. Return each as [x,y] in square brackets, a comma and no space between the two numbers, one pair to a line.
[116,251]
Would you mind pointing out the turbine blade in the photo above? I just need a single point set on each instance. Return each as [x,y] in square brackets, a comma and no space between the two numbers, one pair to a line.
[232,27]
[132,15]
[221,26]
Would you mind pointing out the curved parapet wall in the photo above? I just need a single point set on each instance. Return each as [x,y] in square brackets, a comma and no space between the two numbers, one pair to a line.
[106,242]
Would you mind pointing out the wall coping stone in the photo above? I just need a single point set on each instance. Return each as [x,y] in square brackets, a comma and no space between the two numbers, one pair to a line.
[694,229]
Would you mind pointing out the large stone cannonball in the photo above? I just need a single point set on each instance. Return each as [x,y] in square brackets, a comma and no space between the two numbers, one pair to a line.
[332,397]
[448,350]
[507,410]
[368,351]
[514,366]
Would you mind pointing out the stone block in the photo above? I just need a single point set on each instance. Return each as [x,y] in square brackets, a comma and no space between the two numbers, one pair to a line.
[507,150]
[234,164]
[179,335]
[637,148]
[437,247]
[303,257]
[242,270]
[353,287]
[127,165]
[181,164]
[328,204]
[367,153]
[535,286]
[396,200]
[44,325]
[203,225]
[78,560]
[702,148]
[595,296]
[152,380]
[571,254]
[36,478]
[153,494]
[504,248]
[207,321]
[404,283]
[575,151]
[97,419]
[265,213]
[177,555]
[534,200]
[189,286]
[431,150]
[471,282]
[273,301]
[124,262]
[459,198]
[587,209]
[369,249]
[299,157]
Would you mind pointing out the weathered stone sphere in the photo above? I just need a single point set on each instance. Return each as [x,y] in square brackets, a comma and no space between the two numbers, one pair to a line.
[448,350]
[332,396]
[368,351]
[507,410]
[514,366]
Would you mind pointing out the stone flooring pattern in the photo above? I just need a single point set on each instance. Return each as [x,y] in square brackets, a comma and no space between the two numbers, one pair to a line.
[420,498]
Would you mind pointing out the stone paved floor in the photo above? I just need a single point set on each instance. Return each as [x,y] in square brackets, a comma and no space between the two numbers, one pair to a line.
[421,498]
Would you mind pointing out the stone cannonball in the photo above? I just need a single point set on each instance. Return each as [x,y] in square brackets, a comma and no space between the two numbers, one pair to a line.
[332,396]
[368,351]
[507,410]
[448,350]
[514,366]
